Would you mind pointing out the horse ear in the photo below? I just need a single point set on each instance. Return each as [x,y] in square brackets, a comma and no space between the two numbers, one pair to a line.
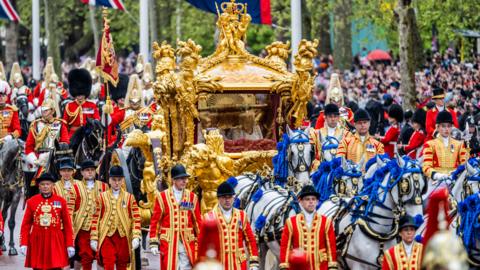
[470,168]
[289,131]
[400,160]
[362,162]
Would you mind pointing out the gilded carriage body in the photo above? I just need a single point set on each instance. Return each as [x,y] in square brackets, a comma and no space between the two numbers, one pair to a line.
[222,115]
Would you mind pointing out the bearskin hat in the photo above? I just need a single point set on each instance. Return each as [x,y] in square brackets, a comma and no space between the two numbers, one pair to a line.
[80,82]
[420,117]
[396,112]
[120,91]
[444,117]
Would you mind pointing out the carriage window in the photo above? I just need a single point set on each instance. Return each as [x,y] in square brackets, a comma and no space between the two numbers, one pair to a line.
[246,121]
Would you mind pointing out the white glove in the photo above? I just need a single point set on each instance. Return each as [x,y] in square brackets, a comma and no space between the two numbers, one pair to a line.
[7,138]
[154,250]
[440,176]
[70,251]
[94,245]
[43,159]
[23,250]
[135,243]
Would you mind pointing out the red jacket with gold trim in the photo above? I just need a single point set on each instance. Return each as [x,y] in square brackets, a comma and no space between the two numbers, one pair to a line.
[396,258]
[10,123]
[318,242]
[172,222]
[443,159]
[233,233]
[76,114]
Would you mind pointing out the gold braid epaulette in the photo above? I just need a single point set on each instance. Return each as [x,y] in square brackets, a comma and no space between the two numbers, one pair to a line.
[73,114]
[39,137]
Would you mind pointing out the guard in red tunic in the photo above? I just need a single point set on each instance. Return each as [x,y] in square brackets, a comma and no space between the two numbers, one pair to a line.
[415,145]
[116,229]
[77,111]
[175,223]
[438,98]
[46,235]
[9,123]
[86,193]
[395,118]
[408,253]
[236,236]
[311,232]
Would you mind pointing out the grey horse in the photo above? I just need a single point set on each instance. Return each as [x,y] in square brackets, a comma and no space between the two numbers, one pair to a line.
[11,183]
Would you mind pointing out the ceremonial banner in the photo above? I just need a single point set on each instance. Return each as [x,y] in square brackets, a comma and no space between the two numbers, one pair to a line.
[106,62]
[115,4]
[8,12]
[259,10]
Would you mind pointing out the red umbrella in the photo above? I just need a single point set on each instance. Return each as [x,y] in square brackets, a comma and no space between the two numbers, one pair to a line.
[379,55]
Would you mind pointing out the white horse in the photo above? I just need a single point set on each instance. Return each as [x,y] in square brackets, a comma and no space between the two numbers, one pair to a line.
[337,181]
[329,147]
[294,158]
[246,185]
[393,189]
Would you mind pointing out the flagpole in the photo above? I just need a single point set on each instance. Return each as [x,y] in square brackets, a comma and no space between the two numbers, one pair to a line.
[36,39]
[144,28]
[296,19]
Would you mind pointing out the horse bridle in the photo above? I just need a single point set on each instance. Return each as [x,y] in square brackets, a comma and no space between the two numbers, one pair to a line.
[298,141]
[467,189]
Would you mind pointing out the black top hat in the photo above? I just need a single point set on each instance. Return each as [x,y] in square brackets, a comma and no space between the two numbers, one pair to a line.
[438,93]
[407,221]
[308,190]
[116,171]
[65,163]
[225,189]
[79,82]
[45,177]
[331,109]
[396,112]
[119,91]
[361,115]
[179,171]
[444,117]
[88,163]
[420,117]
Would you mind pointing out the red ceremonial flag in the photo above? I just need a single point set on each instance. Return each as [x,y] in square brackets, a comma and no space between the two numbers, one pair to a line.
[107,64]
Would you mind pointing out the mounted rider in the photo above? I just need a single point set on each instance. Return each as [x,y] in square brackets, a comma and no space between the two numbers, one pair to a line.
[53,90]
[18,86]
[117,93]
[10,124]
[43,135]
[395,118]
[310,231]
[335,96]
[333,128]
[361,145]
[77,111]
[443,154]
[408,253]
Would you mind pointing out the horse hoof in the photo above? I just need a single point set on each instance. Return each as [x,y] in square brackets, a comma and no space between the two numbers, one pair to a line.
[12,252]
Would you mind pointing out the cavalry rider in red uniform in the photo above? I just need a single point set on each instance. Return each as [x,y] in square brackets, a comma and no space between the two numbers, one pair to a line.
[86,193]
[175,223]
[77,111]
[234,231]
[395,118]
[311,232]
[46,236]
[408,253]
[438,98]
[118,96]
[116,228]
[10,124]
[335,96]
[415,145]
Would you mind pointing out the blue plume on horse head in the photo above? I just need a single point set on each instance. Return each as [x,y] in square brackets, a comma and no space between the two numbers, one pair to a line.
[236,203]
[323,178]
[257,195]
[260,222]
[373,160]
[469,229]
[233,181]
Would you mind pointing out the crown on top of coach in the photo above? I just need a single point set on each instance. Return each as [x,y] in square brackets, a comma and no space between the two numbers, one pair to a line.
[233,8]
